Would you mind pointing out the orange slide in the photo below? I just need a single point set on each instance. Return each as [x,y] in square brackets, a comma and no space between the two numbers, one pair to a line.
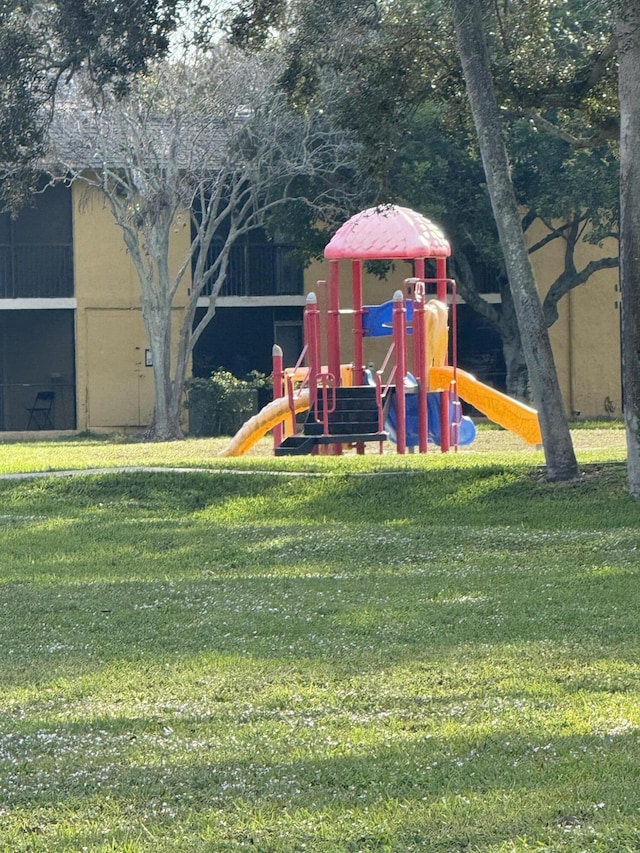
[503,410]
[267,418]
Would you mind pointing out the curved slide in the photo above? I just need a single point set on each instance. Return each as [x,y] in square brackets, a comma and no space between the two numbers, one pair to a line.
[267,418]
[503,410]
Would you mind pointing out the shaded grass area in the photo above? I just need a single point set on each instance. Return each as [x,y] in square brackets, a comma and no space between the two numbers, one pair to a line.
[443,661]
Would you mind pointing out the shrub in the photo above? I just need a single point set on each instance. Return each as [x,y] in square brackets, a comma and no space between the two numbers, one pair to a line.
[221,404]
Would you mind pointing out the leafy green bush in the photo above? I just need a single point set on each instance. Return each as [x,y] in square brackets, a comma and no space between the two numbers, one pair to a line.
[221,404]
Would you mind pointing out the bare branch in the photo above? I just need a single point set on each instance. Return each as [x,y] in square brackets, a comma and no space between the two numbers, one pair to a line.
[207,143]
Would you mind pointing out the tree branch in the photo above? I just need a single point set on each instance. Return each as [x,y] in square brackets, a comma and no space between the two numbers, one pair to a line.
[598,68]
[606,132]
[553,234]
[567,281]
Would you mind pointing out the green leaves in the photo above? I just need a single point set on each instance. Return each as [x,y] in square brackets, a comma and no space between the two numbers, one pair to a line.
[44,44]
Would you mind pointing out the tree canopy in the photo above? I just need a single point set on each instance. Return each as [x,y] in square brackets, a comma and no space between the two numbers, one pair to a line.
[403,95]
[43,44]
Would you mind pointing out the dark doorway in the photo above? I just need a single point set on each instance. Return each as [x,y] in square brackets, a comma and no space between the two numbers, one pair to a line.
[480,348]
[288,335]
[241,340]
[37,355]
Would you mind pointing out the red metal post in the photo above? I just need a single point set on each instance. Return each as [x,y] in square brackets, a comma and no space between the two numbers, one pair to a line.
[418,267]
[420,368]
[358,332]
[441,279]
[312,339]
[278,389]
[333,322]
[400,342]
[322,292]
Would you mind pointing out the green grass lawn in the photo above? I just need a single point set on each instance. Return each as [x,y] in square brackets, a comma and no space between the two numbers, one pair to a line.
[443,657]
[593,442]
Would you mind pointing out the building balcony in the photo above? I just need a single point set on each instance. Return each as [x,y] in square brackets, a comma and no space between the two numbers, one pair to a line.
[261,269]
[36,271]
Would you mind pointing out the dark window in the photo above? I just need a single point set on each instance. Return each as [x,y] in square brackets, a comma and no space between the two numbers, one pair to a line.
[480,348]
[37,355]
[258,267]
[241,339]
[36,251]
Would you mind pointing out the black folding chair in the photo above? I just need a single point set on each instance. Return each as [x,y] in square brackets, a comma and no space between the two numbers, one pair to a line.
[41,412]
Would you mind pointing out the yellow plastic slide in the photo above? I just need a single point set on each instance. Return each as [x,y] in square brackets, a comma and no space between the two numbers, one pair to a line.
[499,408]
[267,418]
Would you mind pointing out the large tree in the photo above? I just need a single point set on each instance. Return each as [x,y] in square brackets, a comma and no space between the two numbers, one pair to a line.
[43,44]
[207,144]
[469,25]
[402,93]
[573,192]
[629,86]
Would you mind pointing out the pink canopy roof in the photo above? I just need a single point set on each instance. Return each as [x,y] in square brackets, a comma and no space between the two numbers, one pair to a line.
[387,232]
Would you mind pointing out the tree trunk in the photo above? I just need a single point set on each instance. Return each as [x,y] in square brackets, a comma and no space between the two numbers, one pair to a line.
[629,86]
[517,378]
[559,453]
[155,289]
[166,417]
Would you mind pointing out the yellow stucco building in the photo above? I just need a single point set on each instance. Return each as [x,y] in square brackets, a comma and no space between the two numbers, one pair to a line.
[586,336]
[114,384]
[71,324]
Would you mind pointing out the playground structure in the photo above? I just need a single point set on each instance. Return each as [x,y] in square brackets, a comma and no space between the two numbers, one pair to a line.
[414,397]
